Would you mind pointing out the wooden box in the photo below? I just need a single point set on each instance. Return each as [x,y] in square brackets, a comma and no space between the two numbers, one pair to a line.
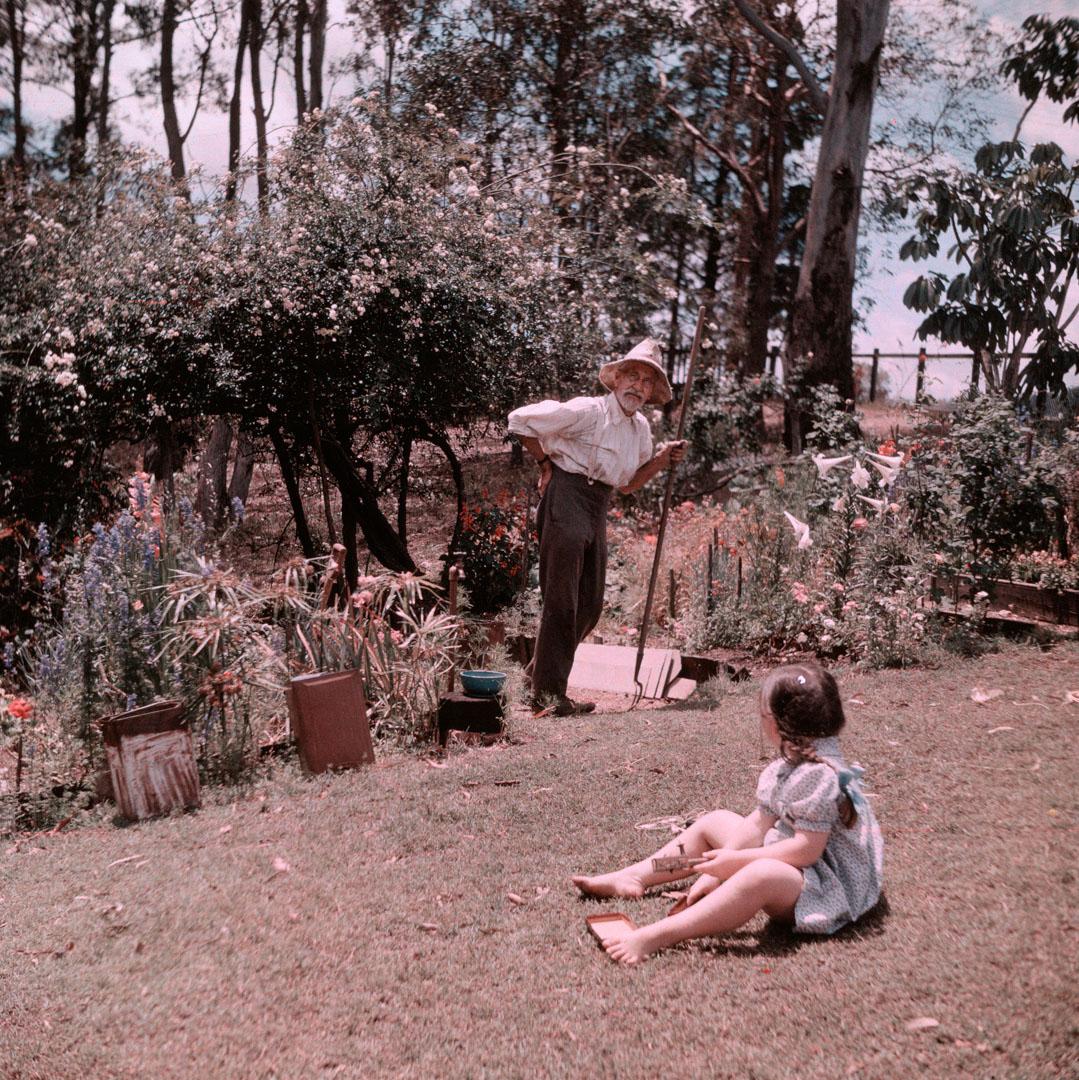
[328,712]
[462,712]
[151,761]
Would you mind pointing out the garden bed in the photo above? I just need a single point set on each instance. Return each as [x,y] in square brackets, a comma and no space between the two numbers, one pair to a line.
[1026,600]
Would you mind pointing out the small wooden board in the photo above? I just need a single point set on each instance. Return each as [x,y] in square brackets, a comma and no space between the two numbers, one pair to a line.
[610,927]
[667,864]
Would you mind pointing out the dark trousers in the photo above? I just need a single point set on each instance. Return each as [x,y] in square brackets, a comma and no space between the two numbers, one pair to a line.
[572,527]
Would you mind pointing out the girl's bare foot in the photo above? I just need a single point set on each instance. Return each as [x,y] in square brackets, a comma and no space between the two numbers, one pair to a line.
[618,883]
[631,949]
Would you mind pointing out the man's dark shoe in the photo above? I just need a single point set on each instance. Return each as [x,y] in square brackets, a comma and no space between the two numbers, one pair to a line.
[562,706]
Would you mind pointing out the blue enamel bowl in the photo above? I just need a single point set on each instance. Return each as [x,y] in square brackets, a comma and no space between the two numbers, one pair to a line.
[482,683]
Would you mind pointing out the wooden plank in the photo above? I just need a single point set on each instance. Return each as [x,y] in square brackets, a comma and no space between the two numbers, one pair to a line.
[610,668]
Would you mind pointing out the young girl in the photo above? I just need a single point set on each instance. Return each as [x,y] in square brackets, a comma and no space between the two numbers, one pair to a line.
[810,854]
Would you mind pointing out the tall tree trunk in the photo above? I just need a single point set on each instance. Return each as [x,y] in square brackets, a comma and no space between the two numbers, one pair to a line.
[292,487]
[350,538]
[821,325]
[211,500]
[168,91]
[235,103]
[16,38]
[255,47]
[402,489]
[383,542]
[318,53]
[243,469]
[299,75]
[103,102]
[763,275]
[81,87]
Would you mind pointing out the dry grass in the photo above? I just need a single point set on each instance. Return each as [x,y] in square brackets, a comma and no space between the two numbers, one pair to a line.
[390,945]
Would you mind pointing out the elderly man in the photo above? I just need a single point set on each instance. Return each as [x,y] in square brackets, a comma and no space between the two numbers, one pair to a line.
[586,448]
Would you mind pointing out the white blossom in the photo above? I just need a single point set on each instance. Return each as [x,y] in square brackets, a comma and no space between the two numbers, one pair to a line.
[801,531]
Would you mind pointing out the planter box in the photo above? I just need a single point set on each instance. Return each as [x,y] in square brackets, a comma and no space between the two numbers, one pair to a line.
[328,712]
[475,715]
[151,761]
[1028,601]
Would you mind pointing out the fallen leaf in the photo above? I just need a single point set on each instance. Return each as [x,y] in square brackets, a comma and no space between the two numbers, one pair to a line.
[921,1023]
[513,898]
[542,890]
[117,862]
[429,926]
[857,699]
[280,865]
[980,696]
[225,829]
[434,764]
[1071,697]
[993,731]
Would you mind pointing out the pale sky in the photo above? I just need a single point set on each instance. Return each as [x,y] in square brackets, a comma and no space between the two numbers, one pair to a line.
[889,325]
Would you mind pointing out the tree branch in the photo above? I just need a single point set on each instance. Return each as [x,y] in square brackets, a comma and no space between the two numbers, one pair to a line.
[726,157]
[817,94]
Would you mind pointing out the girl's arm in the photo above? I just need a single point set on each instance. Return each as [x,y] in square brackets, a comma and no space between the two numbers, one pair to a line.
[801,850]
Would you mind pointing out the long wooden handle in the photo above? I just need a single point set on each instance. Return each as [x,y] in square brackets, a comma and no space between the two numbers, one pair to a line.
[668,491]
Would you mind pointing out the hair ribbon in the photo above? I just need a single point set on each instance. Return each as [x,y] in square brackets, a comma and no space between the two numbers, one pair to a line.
[850,785]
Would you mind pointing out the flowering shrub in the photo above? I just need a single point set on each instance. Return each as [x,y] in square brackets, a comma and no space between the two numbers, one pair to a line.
[492,549]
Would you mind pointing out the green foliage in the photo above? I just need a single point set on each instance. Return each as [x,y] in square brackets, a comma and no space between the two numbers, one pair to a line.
[1010,227]
[492,550]
[725,420]
[976,494]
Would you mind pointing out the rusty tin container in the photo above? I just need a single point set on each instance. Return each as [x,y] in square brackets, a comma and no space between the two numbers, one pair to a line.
[151,760]
[328,712]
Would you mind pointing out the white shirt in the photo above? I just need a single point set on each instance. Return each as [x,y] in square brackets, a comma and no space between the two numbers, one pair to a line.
[590,436]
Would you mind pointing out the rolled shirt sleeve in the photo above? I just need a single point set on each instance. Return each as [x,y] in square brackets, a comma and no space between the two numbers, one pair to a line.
[566,419]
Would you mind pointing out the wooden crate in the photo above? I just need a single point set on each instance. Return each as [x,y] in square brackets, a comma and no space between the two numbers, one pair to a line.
[151,761]
[328,713]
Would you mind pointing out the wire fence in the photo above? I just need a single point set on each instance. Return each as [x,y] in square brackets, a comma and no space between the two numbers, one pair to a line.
[920,377]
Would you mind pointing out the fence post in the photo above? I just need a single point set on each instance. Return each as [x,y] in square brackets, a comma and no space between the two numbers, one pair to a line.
[873,375]
[919,387]
[975,374]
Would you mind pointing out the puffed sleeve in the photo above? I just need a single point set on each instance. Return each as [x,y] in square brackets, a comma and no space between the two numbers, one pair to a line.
[547,418]
[766,788]
[810,798]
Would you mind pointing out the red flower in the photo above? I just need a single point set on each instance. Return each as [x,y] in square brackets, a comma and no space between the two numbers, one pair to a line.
[20,708]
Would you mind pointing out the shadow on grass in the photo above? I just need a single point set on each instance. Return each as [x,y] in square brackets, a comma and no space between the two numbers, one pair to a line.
[778,939]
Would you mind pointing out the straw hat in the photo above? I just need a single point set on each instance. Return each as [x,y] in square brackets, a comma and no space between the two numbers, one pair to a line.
[648,353]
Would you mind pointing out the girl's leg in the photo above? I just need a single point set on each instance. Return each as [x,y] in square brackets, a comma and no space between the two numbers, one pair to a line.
[766,885]
[708,832]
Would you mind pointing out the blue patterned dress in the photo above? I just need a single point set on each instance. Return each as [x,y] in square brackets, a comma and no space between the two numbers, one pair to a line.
[845,882]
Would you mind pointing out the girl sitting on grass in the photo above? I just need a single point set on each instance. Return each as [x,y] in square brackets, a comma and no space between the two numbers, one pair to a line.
[810,855]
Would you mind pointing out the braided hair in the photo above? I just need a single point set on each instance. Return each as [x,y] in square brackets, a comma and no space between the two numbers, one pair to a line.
[804,701]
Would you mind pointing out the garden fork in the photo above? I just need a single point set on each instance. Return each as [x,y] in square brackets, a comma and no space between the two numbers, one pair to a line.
[668,491]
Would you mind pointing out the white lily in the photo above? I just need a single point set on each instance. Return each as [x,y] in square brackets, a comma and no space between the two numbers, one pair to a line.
[859,476]
[801,531]
[887,475]
[826,464]
[877,504]
[893,461]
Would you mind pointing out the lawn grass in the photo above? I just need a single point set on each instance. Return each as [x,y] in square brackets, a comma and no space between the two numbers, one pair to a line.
[390,945]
